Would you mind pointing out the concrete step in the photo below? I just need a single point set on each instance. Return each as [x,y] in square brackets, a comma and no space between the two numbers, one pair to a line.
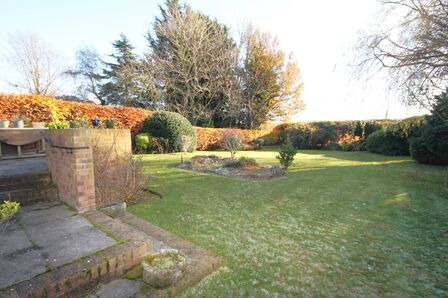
[28,196]
[24,181]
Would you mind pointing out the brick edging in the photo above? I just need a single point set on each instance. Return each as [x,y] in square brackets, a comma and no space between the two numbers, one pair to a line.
[201,261]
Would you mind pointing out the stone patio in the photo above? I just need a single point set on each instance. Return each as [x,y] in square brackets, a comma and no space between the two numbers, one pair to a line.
[46,236]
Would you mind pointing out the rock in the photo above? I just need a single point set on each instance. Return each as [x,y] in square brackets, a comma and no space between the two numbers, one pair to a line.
[277,171]
[116,209]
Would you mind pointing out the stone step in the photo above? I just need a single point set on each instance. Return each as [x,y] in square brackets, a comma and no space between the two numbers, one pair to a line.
[24,181]
[28,196]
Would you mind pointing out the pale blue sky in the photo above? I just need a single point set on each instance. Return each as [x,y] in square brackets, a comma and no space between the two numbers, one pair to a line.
[321,35]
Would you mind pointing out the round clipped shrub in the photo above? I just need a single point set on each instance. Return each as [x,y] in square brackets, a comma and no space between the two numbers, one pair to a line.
[171,127]
[143,142]
[388,142]
[431,147]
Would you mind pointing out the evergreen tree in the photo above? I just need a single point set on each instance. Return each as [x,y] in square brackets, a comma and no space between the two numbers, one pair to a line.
[129,80]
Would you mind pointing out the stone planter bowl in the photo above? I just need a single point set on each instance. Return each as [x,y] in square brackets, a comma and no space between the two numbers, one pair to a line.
[4,123]
[164,277]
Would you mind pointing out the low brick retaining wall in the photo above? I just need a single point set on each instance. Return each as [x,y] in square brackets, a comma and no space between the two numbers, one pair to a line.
[71,156]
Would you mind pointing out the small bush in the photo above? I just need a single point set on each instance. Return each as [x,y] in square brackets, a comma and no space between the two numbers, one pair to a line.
[58,125]
[143,142]
[231,141]
[119,179]
[7,211]
[286,154]
[258,143]
[388,142]
[247,162]
[431,147]
[171,126]
[352,143]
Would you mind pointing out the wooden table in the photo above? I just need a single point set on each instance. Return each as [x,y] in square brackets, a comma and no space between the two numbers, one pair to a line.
[21,142]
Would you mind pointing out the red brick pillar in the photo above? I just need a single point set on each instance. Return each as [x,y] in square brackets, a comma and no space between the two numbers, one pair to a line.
[70,160]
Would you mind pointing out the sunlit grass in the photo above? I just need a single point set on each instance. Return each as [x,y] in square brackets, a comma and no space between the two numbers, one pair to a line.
[340,223]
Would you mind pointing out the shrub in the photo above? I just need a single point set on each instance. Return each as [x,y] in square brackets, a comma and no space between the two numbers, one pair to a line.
[258,143]
[247,162]
[431,147]
[143,142]
[388,142]
[286,154]
[58,125]
[351,143]
[80,122]
[394,139]
[231,141]
[120,178]
[171,126]
[7,211]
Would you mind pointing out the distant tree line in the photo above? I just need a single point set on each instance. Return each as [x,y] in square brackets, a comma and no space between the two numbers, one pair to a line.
[194,67]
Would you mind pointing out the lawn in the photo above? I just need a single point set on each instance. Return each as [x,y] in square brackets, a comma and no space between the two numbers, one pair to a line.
[339,224]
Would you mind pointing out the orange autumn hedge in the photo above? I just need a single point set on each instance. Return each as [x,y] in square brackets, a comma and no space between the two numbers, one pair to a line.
[47,109]
[208,138]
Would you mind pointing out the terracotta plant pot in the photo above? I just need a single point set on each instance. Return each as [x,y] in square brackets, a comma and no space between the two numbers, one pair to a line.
[4,123]
[18,123]
[38,124]
[163,269]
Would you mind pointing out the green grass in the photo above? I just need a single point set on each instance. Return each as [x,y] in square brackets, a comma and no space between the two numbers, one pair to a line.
[340,224]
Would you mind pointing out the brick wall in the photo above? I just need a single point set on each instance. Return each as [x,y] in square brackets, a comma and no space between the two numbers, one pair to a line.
[72,170]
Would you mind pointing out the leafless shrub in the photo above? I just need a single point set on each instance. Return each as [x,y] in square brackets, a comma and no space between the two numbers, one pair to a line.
[118,175]
[231,141]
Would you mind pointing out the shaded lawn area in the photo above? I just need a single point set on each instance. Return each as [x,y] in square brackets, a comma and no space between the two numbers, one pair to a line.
[340,224]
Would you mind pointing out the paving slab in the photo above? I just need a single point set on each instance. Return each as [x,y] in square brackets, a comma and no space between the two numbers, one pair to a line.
[120,288]
[45,215]
[85,242]
[13,240]
[19,266]
[48,234]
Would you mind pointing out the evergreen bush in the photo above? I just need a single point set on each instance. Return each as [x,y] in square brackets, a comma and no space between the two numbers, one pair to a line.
[171,126]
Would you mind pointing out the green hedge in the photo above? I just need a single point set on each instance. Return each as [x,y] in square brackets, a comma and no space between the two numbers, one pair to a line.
[394,139]
[330,135]
[171,127]
[431,147]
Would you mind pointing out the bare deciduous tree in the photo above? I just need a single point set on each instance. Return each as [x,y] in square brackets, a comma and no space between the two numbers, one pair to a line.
[88,71]
[38,68]
[197,60]
[411,43]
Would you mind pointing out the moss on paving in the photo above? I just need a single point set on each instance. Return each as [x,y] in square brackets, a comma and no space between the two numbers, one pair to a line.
[340,223]
[134,273]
